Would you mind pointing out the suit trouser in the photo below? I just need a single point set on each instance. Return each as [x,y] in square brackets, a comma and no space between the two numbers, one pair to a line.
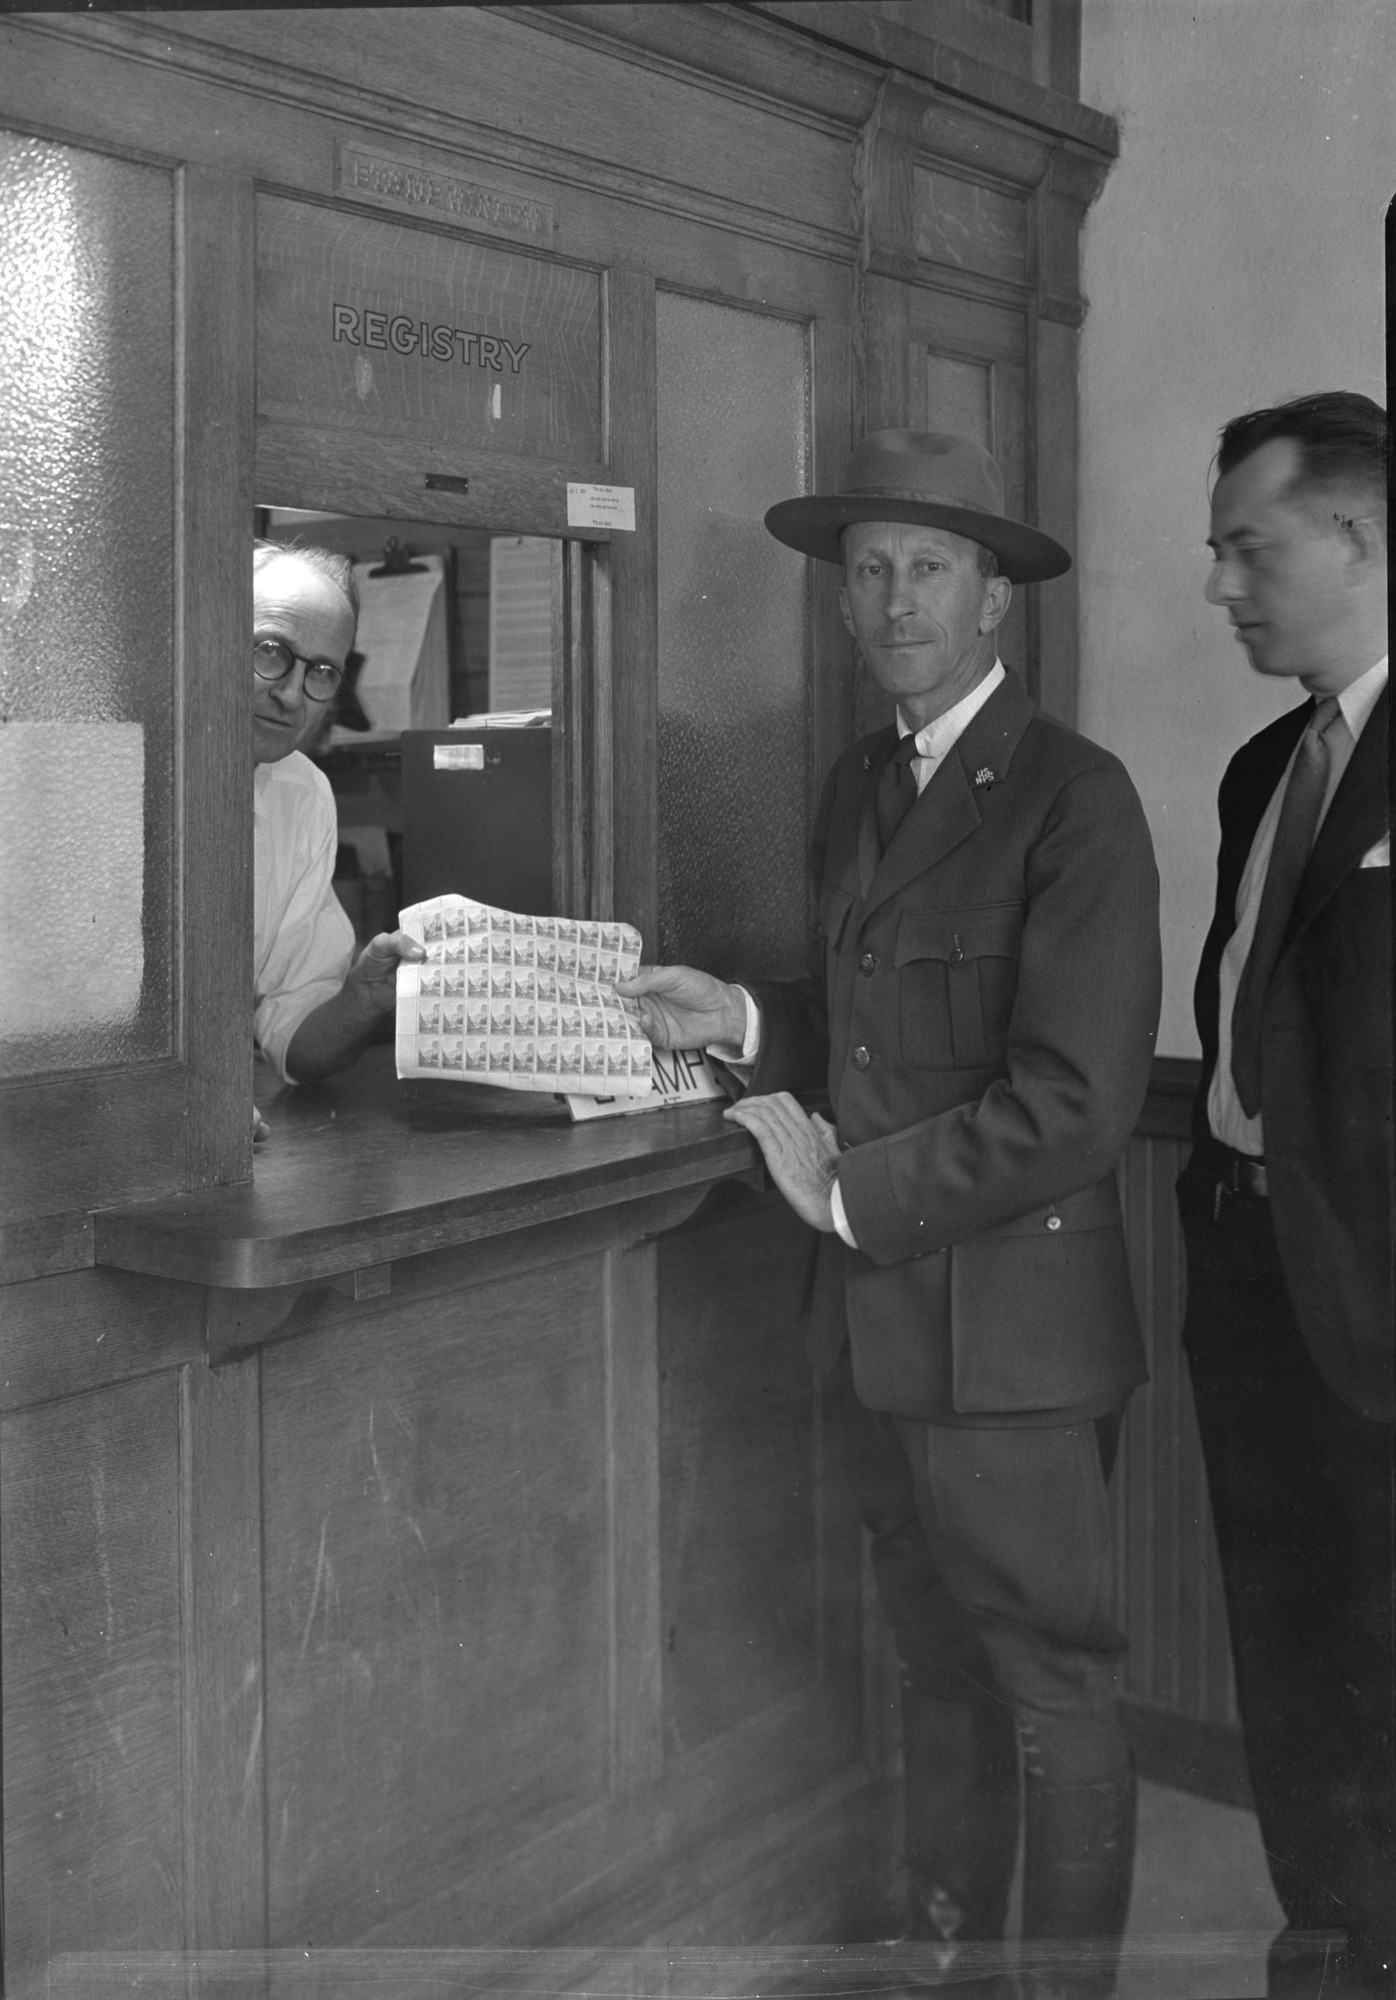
[992,1554]
[1301,1490]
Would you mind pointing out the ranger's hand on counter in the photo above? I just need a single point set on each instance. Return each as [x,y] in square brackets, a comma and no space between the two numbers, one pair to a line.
[682,1008]
[330,1037]
[801,1153]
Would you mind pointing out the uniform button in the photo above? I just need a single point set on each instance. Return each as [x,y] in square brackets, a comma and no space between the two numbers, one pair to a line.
[867,965]
[957,957]
[1054,1222]
[861,1058]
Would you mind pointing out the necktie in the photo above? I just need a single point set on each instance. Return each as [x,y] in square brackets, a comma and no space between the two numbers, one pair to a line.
[896,791]
[1294,837]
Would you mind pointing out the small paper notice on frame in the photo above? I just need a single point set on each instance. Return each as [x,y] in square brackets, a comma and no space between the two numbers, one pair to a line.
[600,506]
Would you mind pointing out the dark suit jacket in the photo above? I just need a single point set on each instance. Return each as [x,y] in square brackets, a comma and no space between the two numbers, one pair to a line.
[1326,1060]
[985,1012]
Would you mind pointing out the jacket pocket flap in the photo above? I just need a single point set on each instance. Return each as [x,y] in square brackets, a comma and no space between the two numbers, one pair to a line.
[953,935]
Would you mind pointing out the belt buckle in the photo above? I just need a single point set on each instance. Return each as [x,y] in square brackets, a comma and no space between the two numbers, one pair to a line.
[1245,1179]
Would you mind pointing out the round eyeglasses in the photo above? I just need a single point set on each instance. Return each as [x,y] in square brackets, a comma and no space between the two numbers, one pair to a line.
[273,660]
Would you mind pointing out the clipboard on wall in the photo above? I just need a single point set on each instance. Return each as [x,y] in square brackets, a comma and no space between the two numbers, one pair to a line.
[404,682]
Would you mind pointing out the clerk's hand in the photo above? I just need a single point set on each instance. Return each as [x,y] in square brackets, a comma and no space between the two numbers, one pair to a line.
[371,982]
[332,1034]
[682,1008]
[801,1153]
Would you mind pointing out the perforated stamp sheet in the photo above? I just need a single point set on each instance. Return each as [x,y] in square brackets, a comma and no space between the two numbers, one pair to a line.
[527,1003]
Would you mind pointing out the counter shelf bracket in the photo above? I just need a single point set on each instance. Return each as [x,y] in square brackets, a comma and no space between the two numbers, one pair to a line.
[370,1281]
[235,1321]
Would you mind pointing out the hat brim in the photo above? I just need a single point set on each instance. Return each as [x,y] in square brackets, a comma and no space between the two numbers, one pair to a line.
[815,525]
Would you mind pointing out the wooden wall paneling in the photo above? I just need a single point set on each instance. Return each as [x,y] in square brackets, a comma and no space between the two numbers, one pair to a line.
[217,396]
[660,128]
[1179,1683]
[981,77]
[832,666]
[224,1750]
[1053,442]
[630,1331]
[886,387]
[970,360]
[305,466]
[883,169]
[967,225]
[659,136]
[1056,46]
[500,347]
[1070,184]
[759,56]
[742,1511]
[625,761]
[590,744]
[86,1329]
[115,77]
[986,32]
[573,750]
[743,1820]
[438,1623]
[40,1246]
[93,1851]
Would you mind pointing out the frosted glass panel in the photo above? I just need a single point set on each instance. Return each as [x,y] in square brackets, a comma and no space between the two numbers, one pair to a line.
[87,686]
[733,700]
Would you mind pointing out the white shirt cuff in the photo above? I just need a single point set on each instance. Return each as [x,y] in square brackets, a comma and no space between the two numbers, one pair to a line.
[840,1218]
[728,1052]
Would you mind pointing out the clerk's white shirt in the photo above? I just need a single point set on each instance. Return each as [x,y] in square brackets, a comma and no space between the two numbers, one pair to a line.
[933,745]
[1228,1121]
[303,942]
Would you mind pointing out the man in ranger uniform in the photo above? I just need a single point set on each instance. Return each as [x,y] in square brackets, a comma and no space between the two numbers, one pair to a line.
[983,1015]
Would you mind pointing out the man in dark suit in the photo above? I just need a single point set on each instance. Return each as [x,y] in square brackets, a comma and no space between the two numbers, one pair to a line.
[982,1014]
[1287,1198]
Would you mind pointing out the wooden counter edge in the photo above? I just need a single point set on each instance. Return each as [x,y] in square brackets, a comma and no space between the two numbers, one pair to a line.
[151,1239]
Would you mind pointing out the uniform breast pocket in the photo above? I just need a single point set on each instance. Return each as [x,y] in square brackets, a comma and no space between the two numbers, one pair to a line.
[958,977]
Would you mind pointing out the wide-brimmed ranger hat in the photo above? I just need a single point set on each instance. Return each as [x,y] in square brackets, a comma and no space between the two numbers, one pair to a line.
[931,479]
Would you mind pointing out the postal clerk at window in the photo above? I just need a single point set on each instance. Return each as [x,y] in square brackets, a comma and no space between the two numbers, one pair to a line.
[316,1004]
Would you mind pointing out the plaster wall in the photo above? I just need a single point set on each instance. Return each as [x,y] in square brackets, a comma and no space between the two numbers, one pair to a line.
[1234,259]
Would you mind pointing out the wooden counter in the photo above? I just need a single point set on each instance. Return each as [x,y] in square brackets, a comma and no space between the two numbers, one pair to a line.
[434,1543]
[362,1169]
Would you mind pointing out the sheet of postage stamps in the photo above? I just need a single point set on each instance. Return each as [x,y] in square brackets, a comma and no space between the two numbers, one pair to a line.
[526,1003]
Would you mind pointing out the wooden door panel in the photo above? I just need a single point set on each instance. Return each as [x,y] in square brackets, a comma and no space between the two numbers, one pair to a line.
[446,1467]
[760,1574]
[93,1841]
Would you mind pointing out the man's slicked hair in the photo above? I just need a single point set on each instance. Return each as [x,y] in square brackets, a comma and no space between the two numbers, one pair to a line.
[1343,440]
[337,569]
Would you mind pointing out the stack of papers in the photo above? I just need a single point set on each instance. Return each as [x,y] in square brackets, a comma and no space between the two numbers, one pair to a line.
[505,718]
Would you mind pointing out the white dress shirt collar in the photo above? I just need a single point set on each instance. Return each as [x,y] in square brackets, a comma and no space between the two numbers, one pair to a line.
[1361,696]
[943,731]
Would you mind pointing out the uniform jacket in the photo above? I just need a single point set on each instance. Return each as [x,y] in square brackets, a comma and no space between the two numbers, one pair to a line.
[985,1011]
[1325,1060]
